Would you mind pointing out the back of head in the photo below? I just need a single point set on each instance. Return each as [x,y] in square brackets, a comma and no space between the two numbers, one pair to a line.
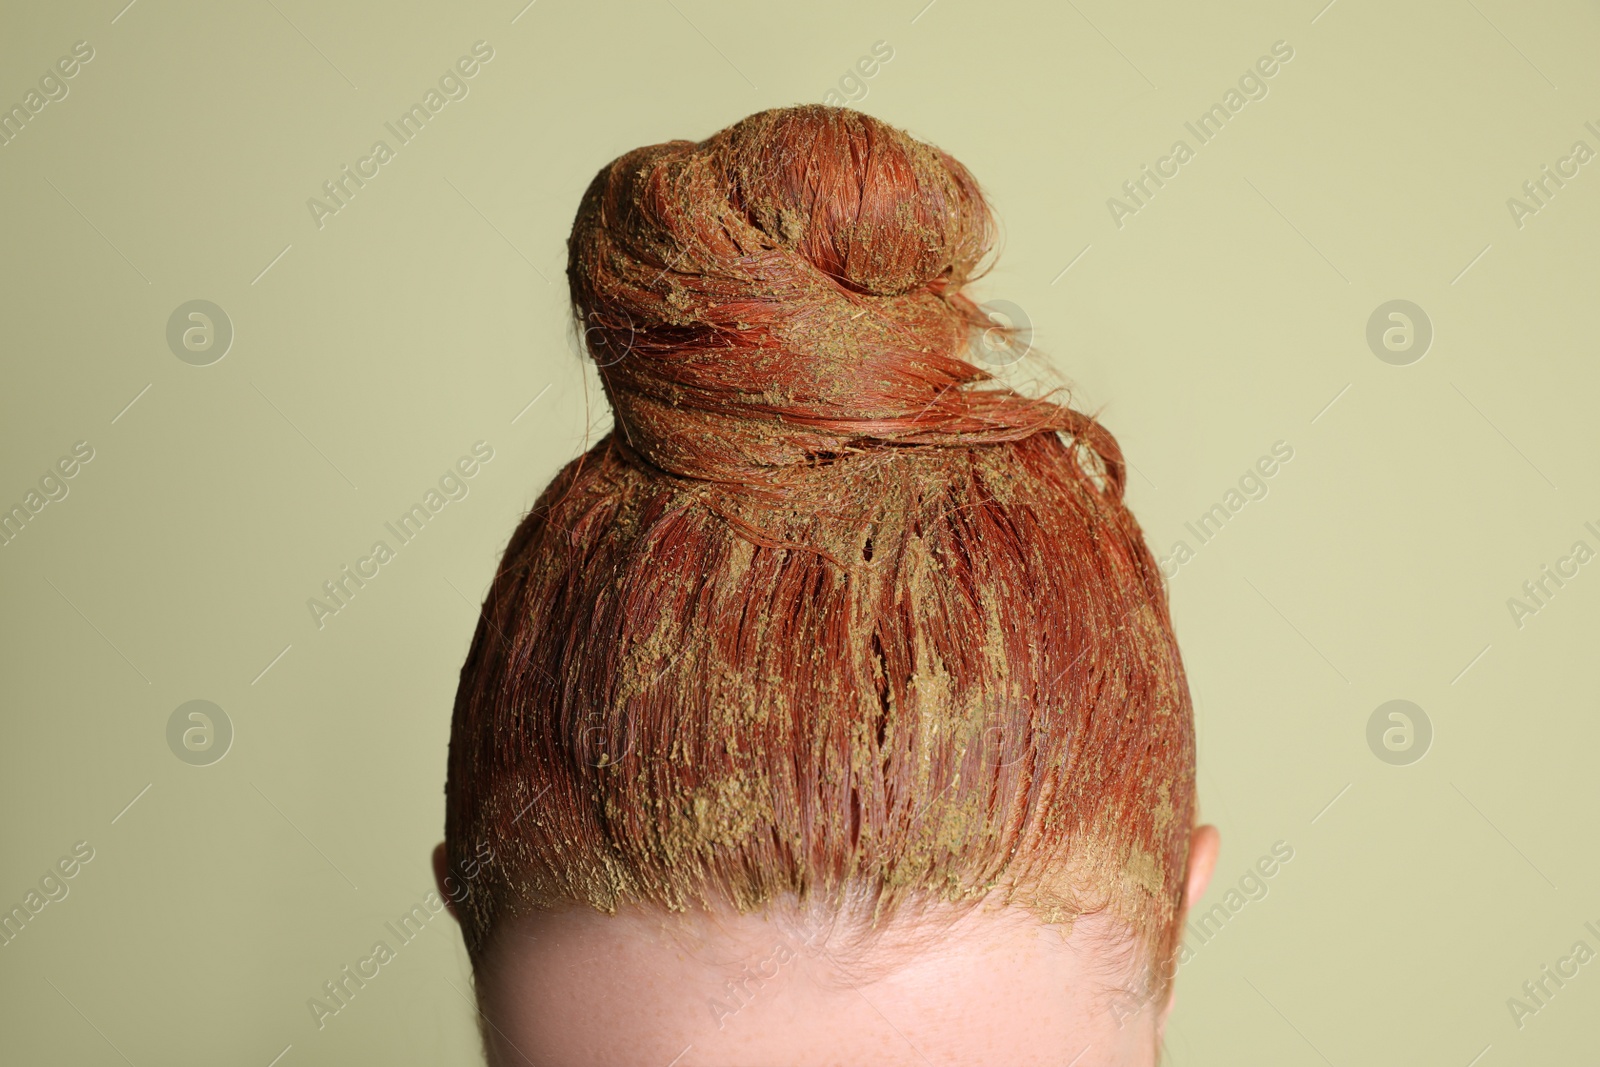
[828,614]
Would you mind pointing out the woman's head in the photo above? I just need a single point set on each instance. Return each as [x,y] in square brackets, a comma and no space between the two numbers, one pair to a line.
[830,629]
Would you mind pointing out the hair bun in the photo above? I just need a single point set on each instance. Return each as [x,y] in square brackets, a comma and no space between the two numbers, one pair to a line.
[790,288]
[863,202]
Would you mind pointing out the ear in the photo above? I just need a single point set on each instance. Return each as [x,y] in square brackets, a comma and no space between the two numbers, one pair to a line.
[441,871]
[1204,845]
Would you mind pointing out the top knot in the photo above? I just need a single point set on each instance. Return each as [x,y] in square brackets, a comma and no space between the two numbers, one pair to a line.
[789,289]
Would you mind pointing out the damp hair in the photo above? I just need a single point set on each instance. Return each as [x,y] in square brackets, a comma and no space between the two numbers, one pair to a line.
[831,614]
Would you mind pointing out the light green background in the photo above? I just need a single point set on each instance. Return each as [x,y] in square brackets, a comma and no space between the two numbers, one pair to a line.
[1222,317]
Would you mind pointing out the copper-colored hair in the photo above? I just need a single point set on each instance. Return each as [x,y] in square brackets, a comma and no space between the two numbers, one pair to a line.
[828,612]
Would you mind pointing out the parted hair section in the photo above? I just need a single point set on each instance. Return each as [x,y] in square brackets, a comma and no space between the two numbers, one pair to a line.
[830,612]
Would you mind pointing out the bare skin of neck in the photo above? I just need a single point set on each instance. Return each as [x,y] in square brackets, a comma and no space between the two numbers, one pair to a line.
[576,988]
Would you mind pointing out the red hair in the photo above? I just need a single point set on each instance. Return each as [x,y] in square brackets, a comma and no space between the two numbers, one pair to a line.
[828,612]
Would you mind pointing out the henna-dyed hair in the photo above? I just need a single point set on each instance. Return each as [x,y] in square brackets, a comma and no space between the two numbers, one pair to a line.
[828,612]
